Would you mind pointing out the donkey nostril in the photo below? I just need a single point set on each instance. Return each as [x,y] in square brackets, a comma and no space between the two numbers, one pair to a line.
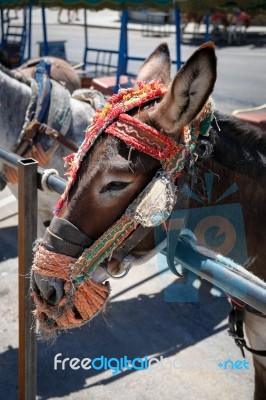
[51,295]
[51,289]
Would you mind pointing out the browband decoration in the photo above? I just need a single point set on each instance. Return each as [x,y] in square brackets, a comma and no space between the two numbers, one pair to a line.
[142,137]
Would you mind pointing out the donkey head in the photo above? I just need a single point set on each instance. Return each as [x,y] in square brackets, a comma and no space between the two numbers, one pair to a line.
[109,177]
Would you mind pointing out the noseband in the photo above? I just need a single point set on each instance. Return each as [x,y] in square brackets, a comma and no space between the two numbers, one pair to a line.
[65,238]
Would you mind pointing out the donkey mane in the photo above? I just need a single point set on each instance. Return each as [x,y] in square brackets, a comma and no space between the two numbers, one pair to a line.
[239,146]
[244,132]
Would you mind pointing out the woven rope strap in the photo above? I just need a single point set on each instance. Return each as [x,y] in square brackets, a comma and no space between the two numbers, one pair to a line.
[102,248]
[81,301]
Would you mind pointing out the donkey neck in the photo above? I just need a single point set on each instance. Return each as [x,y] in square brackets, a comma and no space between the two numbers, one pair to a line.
[15,98]
[239,146]
[239,158]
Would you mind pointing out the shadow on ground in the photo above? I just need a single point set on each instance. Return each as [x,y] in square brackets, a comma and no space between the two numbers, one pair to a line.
[9,242]
[138,327]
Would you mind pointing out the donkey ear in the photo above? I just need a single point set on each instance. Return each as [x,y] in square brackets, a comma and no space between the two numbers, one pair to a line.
[189,90]
[156,66]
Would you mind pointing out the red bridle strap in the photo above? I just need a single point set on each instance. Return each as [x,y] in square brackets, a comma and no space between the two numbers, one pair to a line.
[120,103]
[142,137]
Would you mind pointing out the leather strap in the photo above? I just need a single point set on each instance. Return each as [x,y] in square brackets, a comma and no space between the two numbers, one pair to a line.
[131,242]
[50,132]
[42,77]
[236,330]
[65,238]
[176,223]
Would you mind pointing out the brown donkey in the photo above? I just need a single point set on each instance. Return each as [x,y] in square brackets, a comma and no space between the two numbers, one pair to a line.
[142,154]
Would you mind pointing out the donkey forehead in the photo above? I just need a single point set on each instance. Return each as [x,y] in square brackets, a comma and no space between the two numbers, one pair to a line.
[108,155]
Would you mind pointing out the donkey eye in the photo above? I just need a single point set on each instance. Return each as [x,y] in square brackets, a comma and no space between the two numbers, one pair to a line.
[114,186]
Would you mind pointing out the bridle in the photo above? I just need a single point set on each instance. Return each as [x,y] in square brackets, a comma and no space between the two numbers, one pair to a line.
[155,203]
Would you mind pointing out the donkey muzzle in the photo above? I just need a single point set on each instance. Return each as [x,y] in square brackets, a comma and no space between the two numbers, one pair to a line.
[61,237]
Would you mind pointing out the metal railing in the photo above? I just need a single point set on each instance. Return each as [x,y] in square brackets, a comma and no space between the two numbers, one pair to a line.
[29,181]
[54,183]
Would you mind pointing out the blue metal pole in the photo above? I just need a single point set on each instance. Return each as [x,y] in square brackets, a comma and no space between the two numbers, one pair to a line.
[124,71]
[178,38]
[45,43]
[29,29]
[207,22]
[123,49]
[55,183]
[24,36]
[2,26]
[222,272]
[86,40]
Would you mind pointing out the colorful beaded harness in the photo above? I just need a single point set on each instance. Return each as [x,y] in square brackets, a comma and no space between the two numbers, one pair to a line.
[113,119]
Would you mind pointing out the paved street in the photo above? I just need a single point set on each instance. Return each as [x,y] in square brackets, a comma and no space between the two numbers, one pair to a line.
[241,69]
[138,322]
